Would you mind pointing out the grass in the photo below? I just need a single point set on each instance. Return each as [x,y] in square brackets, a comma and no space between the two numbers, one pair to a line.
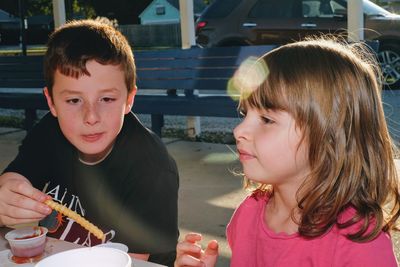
[11,121]
[35,51]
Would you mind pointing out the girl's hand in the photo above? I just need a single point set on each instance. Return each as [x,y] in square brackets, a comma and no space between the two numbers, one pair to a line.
[19,201]
[189,252]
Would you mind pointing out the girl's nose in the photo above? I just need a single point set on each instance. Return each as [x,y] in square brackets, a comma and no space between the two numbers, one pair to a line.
[91,116]
[241,131]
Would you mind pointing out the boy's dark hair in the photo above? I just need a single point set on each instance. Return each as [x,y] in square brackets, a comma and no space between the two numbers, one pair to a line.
[72,45]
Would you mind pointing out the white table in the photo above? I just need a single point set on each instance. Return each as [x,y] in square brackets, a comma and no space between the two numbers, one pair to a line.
[53,246]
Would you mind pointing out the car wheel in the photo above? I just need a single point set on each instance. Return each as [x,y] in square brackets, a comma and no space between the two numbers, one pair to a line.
[389,59]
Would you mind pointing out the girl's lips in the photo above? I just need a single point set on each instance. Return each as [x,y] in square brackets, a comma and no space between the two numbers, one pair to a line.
[244,155]
[92,137]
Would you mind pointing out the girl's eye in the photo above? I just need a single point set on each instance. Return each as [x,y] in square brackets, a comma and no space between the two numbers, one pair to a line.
[73,101]
[242,113]
[267,120]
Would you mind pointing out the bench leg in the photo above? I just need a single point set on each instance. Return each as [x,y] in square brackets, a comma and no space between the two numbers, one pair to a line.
[30,118]
[193,127]
[157,122]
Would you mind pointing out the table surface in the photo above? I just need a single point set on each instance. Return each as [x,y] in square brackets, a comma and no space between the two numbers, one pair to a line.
[53,246]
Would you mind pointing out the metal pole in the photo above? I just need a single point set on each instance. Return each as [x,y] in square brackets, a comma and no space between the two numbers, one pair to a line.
[23,26]
[187,23]
[188,40]
[58,13]
[355,20]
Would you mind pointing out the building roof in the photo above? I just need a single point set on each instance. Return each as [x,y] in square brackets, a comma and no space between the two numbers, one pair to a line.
[7,17]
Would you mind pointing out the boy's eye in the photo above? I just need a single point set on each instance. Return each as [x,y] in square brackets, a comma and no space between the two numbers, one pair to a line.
[73,101]
[108,99]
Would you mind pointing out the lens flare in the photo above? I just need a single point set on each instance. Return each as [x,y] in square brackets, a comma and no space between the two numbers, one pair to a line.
[250,75]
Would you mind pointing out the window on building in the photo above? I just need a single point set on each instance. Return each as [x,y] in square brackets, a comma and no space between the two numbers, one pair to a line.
[160,10]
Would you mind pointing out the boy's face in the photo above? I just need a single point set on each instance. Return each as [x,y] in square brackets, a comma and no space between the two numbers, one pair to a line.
[91,109]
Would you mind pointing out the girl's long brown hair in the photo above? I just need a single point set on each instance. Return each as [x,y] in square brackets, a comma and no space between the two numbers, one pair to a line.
[332,90]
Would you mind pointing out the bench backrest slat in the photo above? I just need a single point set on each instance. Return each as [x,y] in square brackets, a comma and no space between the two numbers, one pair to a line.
[194,68]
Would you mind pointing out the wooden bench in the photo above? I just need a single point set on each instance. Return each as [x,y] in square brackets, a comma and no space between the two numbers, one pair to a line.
[190,82]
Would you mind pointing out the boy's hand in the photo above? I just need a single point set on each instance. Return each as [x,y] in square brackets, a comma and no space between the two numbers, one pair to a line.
[189,253]
[19,201]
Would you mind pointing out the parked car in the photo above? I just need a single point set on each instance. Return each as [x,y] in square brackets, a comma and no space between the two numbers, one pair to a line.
[255,22]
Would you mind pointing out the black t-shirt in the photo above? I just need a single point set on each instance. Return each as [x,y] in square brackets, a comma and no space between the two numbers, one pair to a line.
[131,195]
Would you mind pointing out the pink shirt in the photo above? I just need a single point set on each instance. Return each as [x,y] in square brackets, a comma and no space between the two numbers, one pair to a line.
[254,244]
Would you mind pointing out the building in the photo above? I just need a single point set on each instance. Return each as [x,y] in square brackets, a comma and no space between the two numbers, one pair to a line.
[9,28]
[167,12]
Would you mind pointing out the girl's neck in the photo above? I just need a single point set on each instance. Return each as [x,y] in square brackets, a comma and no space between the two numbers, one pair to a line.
[279,213]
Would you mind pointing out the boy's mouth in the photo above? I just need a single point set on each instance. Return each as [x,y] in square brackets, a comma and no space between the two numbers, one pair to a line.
[92,137]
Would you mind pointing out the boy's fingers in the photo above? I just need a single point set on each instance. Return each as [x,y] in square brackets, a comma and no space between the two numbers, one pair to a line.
[23,204]
[6,220]
[28,197]
[26,189]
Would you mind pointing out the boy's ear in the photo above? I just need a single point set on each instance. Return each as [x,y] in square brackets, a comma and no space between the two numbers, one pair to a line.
[130,100]
[50,101]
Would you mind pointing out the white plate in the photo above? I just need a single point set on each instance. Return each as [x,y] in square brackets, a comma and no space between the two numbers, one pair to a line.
[88,256]
[118,246]
[5,261]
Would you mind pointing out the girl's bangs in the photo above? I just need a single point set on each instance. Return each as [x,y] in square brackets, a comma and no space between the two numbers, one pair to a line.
[270,94]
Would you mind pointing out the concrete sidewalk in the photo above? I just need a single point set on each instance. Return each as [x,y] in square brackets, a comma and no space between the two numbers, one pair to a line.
[209,191]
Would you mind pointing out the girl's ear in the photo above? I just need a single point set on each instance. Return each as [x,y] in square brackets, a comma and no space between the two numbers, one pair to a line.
[130,100]
[50,101]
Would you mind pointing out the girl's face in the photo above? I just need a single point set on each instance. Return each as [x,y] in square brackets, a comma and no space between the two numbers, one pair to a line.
[268,143]
[91,109]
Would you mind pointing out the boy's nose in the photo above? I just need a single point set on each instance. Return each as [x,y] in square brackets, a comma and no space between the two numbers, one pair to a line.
[91,116]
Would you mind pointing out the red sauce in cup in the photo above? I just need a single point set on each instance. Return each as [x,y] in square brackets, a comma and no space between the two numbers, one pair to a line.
[31,236]
[21,260]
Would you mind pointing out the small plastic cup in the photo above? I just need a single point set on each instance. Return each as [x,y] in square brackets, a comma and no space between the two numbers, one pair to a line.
[27,241]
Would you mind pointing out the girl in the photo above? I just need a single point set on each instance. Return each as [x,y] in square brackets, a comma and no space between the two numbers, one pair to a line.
[315,141]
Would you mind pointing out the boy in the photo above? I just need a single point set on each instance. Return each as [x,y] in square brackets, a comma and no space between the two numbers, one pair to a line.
[92,154]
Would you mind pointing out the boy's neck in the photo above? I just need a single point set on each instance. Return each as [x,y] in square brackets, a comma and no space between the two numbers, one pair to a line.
[94,161]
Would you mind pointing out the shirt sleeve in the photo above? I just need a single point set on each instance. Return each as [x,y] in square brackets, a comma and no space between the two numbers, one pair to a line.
[378,252]
[31,160]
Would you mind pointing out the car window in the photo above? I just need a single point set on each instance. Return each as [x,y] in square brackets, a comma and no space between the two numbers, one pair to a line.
[371,9]
[329,8]
[321,8]
[221,8]
[274,9]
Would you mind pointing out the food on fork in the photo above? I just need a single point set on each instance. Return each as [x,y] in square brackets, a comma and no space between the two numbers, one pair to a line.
[77,218]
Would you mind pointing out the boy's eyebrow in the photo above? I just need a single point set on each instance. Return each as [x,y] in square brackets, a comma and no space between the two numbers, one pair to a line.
[71,91]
